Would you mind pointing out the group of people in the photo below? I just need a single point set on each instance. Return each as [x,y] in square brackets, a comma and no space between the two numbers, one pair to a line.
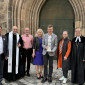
[16,51]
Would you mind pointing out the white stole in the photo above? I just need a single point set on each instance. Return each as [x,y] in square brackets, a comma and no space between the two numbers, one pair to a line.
[10,47]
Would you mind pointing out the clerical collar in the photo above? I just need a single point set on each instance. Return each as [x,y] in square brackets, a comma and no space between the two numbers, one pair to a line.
[78,38]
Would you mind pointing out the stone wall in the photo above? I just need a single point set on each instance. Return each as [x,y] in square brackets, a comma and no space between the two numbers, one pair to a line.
[25,13]
[4,14]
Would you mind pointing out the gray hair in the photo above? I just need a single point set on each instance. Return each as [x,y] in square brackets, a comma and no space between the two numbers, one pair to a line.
[65,31]
[79,28]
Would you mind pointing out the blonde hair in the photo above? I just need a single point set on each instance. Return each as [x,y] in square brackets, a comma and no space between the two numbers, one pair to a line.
[36,35]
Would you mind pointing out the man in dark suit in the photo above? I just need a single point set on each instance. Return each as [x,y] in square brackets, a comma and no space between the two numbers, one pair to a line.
[3,53]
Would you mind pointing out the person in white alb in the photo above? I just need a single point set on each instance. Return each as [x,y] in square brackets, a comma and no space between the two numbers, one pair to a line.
[12,68]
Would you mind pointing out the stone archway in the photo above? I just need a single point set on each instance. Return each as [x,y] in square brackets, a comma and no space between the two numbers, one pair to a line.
[25,13]
[60,14]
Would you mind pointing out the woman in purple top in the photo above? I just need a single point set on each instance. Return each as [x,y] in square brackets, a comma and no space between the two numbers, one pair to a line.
[37,53]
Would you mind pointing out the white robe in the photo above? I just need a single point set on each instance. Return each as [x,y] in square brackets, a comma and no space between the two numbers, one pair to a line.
[10,46]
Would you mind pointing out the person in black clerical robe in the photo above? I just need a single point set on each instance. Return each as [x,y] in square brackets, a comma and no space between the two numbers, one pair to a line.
[78,58]
[12,66]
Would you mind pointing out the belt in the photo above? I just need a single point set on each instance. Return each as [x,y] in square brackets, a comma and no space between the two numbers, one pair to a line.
[27,49]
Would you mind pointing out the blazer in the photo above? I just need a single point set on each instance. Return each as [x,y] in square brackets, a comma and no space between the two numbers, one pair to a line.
[5,47]
[36,44]
[53,44]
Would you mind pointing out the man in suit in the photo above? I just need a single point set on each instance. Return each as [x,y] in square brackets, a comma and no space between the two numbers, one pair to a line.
[3,53]
[49,44]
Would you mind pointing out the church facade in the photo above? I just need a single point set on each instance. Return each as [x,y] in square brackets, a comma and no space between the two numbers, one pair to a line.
[62,14]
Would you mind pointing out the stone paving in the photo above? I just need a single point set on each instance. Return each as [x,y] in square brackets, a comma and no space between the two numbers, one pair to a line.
[32,80]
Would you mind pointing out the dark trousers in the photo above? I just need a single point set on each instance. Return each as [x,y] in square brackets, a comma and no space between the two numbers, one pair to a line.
[46,59]
[65,73]
[1,69]
[26,54]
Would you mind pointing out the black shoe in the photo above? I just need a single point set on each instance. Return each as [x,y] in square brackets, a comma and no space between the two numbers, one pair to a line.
[21,75]
[38,77]
[41,76]
[49,79]
[44,80]
[28,75]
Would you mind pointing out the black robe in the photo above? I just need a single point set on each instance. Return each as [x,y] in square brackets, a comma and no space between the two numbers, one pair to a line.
[13,76]
[77,64]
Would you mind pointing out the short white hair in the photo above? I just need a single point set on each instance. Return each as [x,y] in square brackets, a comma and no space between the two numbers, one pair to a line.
[36,35]
[79,28]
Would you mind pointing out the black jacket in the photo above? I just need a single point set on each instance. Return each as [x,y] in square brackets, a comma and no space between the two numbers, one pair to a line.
[5,47]
[36,44]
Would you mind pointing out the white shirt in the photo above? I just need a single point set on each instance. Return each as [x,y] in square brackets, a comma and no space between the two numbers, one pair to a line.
[78,38]
[49,42]
[1,45]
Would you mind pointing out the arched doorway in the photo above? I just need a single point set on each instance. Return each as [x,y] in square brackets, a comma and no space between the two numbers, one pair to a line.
[60,14]
[24,16]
